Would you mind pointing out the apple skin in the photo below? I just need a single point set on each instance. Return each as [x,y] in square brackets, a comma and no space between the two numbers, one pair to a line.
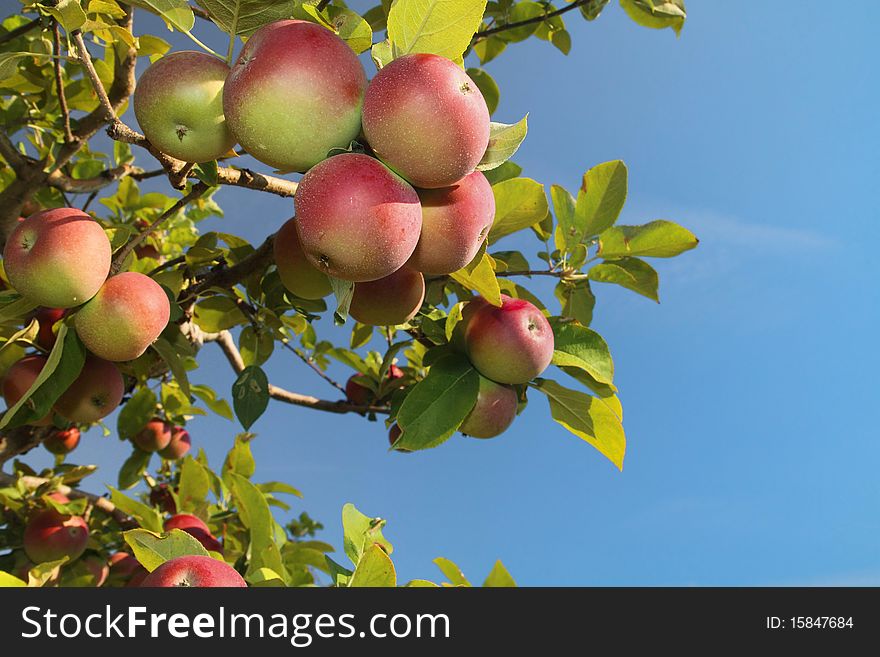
[356,219]
[57,258]
[389,301]
[455,222]
[124,318]
[178,103]
[124,568]
[194,571]
[160,495]
[196,528]
[95,393]
[97,568]
[426,119]
[155,436]
[362,395]
[18,380]
[179,445]
[294,94]
[296,272]
[511,344]
[62,441]
[493,412]
[51,535]
[47,318]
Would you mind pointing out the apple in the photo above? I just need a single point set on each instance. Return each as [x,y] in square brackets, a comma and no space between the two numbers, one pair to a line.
[389,301]
[426,119]
[124,318]
[50,536]
[94,394]
[455,222]
[194,571]
[294,94]
[179,445]
[178,103]
[296,272]
[509,344]
[356,219]
[493,412]
[57,258]
[155,435]
[62,441]
[18,380]
[196,528]
[361,395]
[46,319]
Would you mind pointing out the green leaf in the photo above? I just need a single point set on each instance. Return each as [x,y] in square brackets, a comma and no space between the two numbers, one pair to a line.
[504,172]
[499,577]
[631,273]
[207,172]
[175,362]
[519,203]
[440,27]
[657,239]
[240,460]
[10,581]
[19,306]
[24,337]
[451,571]
[152,549]
[420,584]
[256,516]
[250,395]
[148,517]
[600,199]
[562,40]
[589,418]
[579,346]
[351,28]
[218,313]
[255,345]
[657,14]
[577,300]
[374,568]
[480,276]
[9,66]
[438,404]
[522,11]
[195,484]
[344,292]
[564,208]
[504,141]
[61,369]
[209,397]
[244,17]
[592,9]
[381,53]
[135,414]
[264,577]
[67,12]
[176,13]
[487,86]
[360,532]
[134,466]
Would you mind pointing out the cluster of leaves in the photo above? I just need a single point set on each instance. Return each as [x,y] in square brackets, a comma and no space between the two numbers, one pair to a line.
[235,507]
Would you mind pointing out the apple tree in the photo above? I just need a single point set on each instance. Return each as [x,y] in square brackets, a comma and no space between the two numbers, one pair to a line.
[404,194]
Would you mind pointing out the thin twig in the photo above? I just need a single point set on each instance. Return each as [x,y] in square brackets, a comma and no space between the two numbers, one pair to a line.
[59,84]
[308,360]
[227,277]
[17,32]
[530,272]
[197,190]
[528,21]
[226,343]
[321,6]
[86,60]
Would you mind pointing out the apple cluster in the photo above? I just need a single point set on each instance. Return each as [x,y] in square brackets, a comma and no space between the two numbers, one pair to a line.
[412,204]
[60,259]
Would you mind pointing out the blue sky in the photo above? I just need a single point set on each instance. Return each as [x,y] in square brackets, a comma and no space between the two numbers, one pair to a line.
[749,392]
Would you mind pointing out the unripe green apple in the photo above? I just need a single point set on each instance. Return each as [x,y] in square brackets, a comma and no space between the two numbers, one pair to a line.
[179,445]
[294,94]
[179,106]
[124,318]
[493,412]
[394,299]
[296,272]
[356,219]
[94,394]
[510,344]
[18,380]
[455,222]
[155,435]
[194,571]
[57,258]
[62,441]
[51,535]
[426,119]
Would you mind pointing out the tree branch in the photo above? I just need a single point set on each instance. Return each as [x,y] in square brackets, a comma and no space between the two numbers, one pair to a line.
[65,183]
[102,503]
[227,345]
[527,21]
[20,440]
[17,32]
[59,83]
[197,190]
[308,360]
[226,277]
